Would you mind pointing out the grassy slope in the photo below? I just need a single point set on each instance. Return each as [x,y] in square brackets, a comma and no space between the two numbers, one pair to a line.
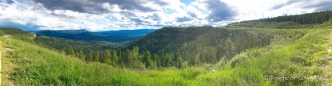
[40,66]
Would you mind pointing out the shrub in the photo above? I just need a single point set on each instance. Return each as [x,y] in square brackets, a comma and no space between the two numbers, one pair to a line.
[2,33]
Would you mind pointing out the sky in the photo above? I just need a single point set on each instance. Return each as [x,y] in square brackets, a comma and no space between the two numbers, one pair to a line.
[103,15]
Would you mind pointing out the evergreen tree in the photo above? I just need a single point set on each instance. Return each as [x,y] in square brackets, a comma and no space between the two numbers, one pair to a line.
[115,58]
[133,60]
[230,49]
[150,63]
[156,60]
[125,58]
[120,57]
[167,60]
[81,55]
[147,59]
[180,62]
[70,51]
[97,56]
[107,56]
[89,56]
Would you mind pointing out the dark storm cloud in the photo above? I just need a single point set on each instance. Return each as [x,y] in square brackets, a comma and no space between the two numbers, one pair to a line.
[7,22]
[290,2]
[9,1]
[183,19]
[320,6]
[94,6]
[137,20]
[155,17]
[192,14]
[220,11]
[141,20]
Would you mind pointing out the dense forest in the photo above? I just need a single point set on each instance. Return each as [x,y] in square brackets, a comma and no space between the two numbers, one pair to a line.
[308,20]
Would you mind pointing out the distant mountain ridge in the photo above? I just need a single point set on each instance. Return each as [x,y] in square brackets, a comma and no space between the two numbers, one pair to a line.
[119,36]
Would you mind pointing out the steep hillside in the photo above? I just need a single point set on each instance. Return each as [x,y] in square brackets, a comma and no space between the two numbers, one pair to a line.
[200,45]
[209,44]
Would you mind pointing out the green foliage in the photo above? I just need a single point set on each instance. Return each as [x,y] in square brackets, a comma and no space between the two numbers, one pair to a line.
[308,18]
[107,57]
[89,56]
[70,51]
[199,45]
[2,33]
[45,69]
[157,60]
[115,58]
[308,21]
[17,33]
[81,55]
[180,63]
[97,57]
[59,43]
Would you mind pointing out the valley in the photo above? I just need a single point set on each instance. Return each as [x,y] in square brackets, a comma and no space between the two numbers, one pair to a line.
[117,36]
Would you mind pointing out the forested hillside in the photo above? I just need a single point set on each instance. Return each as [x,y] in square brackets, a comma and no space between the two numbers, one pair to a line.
[59,44]
[199,45]
[308,20]
[120,36]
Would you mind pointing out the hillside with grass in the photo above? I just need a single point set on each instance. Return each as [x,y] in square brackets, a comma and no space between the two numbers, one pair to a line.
[246,53]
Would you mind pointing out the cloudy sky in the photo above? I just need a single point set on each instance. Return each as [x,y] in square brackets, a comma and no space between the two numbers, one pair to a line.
[96,15]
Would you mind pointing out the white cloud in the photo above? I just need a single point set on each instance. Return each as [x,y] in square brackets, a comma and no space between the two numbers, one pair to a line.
[165,13]
[257,9]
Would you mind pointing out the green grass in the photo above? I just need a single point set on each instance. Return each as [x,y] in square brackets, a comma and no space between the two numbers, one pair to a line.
[291,58]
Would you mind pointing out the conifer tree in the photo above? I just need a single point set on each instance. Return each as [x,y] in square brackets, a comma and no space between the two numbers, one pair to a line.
[107,56]
[89,56]
[81,55]
[180,62]
[97,56]
[156,60]
[147,59]
[70,51]
[115,58]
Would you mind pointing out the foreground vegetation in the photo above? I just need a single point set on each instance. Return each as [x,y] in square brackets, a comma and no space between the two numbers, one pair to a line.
[268,56]
[40,66]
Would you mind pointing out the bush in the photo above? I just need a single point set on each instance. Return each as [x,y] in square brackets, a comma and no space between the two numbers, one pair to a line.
[2,33]
[299,60]
[321,61]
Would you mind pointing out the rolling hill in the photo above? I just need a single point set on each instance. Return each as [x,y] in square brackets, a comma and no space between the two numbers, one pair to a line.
[118,36]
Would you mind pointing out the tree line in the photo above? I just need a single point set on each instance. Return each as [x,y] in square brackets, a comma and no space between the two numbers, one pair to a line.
[307,20]
[179,47]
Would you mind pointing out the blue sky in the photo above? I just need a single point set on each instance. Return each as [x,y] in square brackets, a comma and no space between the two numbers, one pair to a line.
[99,15]
[187,2]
